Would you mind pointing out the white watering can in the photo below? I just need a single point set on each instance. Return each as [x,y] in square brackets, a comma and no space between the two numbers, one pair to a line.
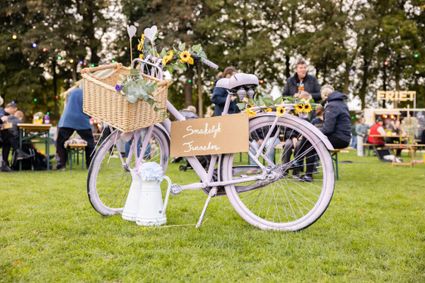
[144,201]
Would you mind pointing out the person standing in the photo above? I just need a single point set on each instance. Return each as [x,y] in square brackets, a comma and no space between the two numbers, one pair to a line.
[302,81]
[361,130]
[74,119]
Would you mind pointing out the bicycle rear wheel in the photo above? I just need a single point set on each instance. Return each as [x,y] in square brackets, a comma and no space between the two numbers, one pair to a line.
[109,177]
[281,201]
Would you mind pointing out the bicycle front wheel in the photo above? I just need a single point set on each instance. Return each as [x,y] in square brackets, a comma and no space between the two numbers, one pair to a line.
[109,177]
[283,200]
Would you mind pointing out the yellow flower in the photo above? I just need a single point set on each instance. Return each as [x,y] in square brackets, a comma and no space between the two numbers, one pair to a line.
[185,57]
[280,111]
[307,108]
[141,43]
[251,113]
[167,58]
[299,108]
[190,61]
[268,110]
[141,56]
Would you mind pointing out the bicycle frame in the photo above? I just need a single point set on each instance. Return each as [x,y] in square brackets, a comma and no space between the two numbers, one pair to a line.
[207,175]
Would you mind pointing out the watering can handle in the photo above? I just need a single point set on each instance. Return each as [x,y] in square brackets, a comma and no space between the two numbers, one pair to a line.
[167,195]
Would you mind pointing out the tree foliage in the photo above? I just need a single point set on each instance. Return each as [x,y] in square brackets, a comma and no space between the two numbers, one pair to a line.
[358,46]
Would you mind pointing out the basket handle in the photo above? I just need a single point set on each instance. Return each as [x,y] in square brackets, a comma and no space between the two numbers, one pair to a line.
[103,67]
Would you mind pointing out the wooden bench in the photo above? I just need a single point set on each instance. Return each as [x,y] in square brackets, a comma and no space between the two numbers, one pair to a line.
[76,149]
[334,156]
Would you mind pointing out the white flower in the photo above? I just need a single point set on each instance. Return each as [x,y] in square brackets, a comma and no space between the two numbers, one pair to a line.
[151,171]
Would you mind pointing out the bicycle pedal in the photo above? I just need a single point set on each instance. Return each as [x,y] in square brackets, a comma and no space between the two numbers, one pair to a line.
[176,189]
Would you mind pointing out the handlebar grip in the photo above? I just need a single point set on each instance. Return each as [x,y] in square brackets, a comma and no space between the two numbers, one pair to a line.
[209,63]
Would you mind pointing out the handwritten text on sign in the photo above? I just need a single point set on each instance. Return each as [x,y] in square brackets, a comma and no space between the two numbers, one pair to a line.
[216,135]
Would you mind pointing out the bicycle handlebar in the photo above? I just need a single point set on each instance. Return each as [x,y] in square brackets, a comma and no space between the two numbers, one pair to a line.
[206,62]
[197,58]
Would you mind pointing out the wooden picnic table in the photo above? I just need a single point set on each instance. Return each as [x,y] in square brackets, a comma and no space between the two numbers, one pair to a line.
[28,131]
[412,148]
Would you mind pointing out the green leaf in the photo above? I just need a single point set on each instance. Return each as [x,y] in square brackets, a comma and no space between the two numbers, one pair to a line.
[182,46]
[241,106]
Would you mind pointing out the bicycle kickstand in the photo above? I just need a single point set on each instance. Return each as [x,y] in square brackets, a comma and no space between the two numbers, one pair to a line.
[211,194]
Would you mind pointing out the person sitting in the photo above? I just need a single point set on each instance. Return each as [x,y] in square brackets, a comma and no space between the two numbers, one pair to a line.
[219,95]
[337,122]
[318,120]
[189,112]
[301,81]
[336,126]
[376,137]
[377,133]
[74,119]
[10,136]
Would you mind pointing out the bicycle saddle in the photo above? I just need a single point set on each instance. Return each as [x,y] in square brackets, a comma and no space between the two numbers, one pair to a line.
[238,80]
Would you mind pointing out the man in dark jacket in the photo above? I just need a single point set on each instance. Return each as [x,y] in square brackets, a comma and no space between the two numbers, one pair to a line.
[336,126]
[219,95]
[337,123]
[301,81]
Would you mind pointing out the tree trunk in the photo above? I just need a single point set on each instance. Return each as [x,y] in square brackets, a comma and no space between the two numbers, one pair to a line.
[200,91]
[55,89]
[362,91]
[187,88]
[384,86]
[287,67]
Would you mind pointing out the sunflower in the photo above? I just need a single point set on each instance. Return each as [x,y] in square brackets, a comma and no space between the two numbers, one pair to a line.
[268,110]
[167,58]
[307,108]
[141,42]
[191,61]
[185,57]
[299,108]
[280,111]
[251,113]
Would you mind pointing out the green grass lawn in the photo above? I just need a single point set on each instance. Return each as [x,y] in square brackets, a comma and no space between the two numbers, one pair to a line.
[374,230]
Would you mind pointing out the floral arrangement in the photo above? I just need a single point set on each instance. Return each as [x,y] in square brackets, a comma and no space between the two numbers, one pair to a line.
[179,58]
[266,104]
[151,172]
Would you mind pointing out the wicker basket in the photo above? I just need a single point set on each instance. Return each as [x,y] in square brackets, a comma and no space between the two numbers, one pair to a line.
[103,102]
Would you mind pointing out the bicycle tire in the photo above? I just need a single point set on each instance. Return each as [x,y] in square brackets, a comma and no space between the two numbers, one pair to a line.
[113,203]
[253,215]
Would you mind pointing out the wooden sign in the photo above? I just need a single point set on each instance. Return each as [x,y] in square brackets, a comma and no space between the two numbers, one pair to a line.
[216,135]
[396,95]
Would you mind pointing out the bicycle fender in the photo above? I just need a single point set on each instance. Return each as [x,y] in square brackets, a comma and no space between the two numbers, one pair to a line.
[164,129]
[308,125]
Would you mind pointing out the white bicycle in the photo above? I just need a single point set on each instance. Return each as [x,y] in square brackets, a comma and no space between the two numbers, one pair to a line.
[264,193]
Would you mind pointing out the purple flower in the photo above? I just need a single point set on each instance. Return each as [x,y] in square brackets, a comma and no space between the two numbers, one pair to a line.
[118,87]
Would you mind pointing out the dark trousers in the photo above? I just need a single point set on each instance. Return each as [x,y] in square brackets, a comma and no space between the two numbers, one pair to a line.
[64,134]
[303,150]
[311,155]
[9,141]
[338,143]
